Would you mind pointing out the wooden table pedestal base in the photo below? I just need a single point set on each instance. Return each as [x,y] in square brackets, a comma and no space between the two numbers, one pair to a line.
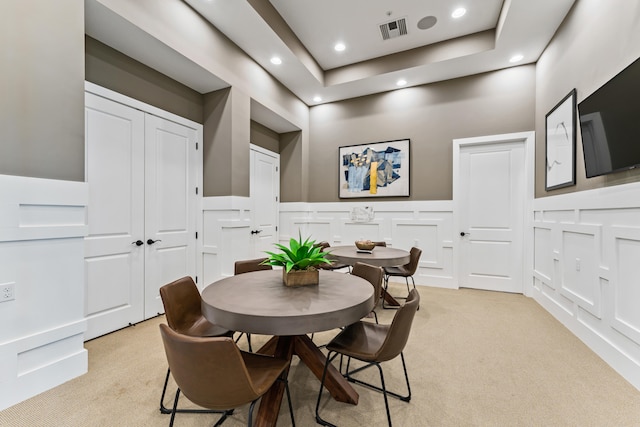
[310,355]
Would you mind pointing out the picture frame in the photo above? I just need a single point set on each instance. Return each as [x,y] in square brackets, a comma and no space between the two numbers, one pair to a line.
[560,143]
[390,175]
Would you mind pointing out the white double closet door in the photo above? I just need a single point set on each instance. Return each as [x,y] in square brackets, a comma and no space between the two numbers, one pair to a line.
[142,175]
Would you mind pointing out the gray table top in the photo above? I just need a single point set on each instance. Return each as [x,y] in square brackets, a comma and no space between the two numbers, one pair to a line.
[380,256]
[259,303]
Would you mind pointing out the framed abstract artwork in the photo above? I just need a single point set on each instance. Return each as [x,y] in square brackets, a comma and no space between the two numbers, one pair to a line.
[379,169]
[560,144]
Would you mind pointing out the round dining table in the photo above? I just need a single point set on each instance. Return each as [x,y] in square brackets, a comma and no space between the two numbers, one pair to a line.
[380,256]
[258,302]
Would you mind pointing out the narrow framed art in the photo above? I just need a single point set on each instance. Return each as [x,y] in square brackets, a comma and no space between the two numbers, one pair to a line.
[379,169]
[560,144]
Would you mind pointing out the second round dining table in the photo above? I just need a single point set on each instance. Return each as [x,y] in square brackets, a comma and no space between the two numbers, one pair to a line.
[259,303]
[380,256]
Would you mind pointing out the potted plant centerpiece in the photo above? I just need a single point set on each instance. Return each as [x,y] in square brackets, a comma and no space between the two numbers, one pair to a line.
[298,261]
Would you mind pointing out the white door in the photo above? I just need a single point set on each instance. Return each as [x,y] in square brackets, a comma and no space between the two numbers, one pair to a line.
[114,264]
[170,191]
[265,196]
[490,193]
[142,177]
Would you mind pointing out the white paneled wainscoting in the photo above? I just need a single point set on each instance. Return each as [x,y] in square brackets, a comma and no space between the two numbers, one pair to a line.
[42,229]
[586,254]
[425,224]
[428,225]
[587,270]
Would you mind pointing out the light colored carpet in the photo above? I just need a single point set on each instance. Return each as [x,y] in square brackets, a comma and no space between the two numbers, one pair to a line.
[475,358]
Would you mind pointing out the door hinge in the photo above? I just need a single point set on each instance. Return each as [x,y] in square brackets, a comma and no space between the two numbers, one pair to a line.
[276,198]
[196,190]
[277,169]
[276,228]
[196,234]
[196,279]
[196,145]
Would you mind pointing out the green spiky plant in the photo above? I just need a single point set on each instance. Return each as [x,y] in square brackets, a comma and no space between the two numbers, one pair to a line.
[300,255]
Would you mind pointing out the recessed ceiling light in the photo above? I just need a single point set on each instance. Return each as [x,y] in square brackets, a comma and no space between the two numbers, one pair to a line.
[276,61]
[401,82]
[339,47]
[516,58]
[317,99]
[459,12]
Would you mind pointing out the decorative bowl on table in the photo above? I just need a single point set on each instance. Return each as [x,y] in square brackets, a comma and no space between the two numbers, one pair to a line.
[365,245]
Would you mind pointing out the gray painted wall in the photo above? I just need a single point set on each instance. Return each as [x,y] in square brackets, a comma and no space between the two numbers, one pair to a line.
[42,89]
[264,137]
[109,68]
[596,41]
[431,116]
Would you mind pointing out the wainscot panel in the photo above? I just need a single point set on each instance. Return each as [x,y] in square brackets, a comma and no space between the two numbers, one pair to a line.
[586,269]
[42,229]
[425,224]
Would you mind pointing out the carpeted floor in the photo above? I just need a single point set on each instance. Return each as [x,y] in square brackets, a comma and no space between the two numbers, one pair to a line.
[475,358]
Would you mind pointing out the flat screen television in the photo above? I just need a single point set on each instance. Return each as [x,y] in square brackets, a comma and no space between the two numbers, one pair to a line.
[610,124]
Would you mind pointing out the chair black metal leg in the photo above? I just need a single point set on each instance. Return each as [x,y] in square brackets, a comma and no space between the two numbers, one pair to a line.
[414,286]
[175,405]
[350,378]
[319,420]
[165,410]
[406,398]
[384,393]
[223,417]
[248,340]
[286,387]
[250,417]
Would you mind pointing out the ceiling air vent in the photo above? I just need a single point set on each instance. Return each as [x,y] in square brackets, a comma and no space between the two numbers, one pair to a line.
[393,29]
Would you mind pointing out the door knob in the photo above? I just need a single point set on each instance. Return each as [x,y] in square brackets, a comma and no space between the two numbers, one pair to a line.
[462,233]
[256,231]
[138,242]
[151,241]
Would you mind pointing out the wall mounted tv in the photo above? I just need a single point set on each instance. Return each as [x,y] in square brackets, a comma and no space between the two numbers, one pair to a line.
[610,124]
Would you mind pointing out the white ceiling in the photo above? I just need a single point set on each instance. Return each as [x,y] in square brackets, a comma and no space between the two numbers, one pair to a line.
[303,32]
[484,39]
[320,24]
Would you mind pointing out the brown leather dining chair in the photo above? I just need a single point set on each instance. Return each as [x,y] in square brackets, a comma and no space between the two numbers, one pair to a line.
[247,266]
[183,311]
[334,265]
[373,275]
[406,271]
[215,374]
[373,343]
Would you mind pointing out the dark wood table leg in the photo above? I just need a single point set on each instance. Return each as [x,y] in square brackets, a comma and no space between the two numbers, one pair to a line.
[315,360]
[389,299]
[269,348]
[269,409]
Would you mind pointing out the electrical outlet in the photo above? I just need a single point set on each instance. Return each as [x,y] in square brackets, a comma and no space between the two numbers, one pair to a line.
[578,264]
[7,292]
